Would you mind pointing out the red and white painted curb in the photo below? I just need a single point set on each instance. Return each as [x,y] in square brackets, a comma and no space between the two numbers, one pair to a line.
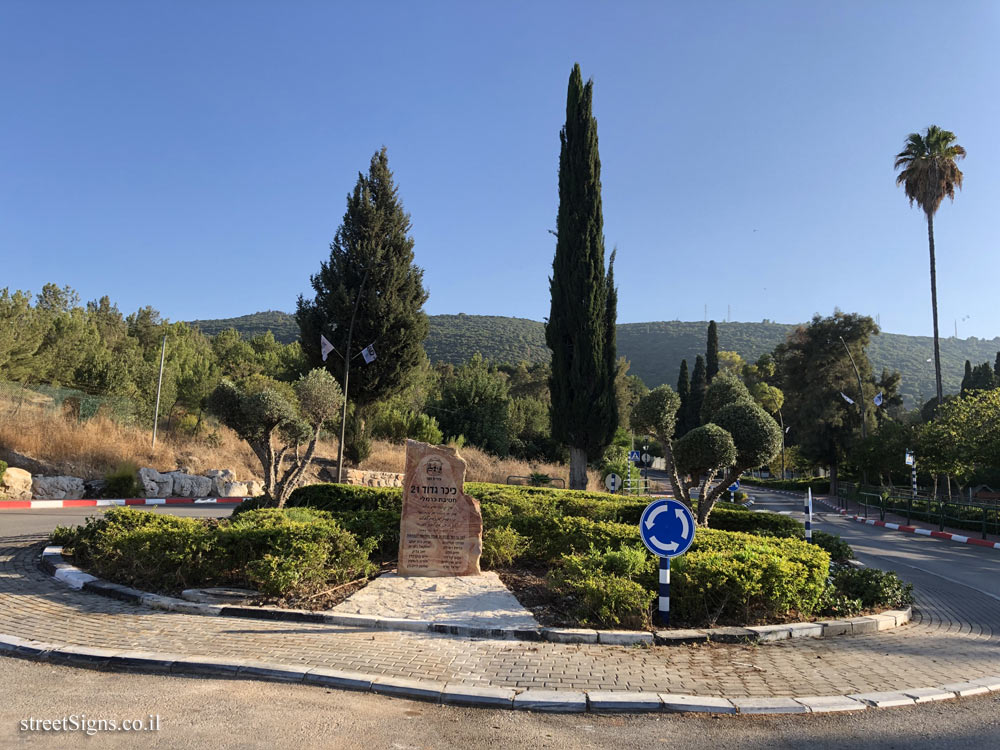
[960,538]
[47,504]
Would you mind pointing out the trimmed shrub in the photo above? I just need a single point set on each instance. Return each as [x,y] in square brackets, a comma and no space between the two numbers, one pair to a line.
[602,590]
[3,468]
[837,548]
[765,524]
[730,577]
[502,546]
[123,482]
[874,588]
[277,552]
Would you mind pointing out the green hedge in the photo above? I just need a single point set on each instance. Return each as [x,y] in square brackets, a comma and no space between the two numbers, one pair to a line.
[275,552]
[819,486]
[766,524]
[730,577]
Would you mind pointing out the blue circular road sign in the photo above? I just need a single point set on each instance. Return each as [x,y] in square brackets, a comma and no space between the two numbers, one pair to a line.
[734,486]
[667,528]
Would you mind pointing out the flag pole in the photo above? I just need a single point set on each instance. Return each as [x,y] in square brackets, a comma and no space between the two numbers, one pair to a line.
[159,385]
[347,371]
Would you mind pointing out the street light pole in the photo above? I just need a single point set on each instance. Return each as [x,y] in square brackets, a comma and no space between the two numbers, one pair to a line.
[347,371]
[861,392]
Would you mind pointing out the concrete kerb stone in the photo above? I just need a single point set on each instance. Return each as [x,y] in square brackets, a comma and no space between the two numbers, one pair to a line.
[965,689]
[52,562]
[704,704]
[551,701]
[468,695]
[424,690]
[487,696]
[769,706]
[884,699]
[608,701]
[928,694]
[819,704]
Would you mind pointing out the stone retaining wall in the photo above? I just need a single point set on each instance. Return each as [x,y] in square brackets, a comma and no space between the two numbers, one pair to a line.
[373,478]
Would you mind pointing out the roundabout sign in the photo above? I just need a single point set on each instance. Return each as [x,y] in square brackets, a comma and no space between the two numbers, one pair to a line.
[667,529]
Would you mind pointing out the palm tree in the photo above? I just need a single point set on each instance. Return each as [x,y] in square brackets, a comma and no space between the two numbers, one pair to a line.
[929,173]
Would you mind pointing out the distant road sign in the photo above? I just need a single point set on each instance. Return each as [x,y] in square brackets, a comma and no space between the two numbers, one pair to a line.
[633,455]
[647,459]
[612,482]
[909,458]
[667,528]
[736,485]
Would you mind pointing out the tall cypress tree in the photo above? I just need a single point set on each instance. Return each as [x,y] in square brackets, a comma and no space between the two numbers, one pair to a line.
[699,384]
[371,279]
[996,368]
[581,326]
[967,378]
[684,391]
[712,352]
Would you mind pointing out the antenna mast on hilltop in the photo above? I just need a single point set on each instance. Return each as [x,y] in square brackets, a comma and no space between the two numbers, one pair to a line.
[729,310]
[706,313]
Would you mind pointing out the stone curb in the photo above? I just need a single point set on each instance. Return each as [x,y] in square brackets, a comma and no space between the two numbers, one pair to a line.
[534,699]
[52,562]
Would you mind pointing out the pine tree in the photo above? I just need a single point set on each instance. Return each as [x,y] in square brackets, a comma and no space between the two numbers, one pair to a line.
[581,326]
[996,368]
[699,384]
[370,279]
[967,378]
[684,391]
[712,352]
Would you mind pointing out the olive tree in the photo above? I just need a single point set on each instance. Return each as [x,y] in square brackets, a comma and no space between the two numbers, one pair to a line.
[276,419]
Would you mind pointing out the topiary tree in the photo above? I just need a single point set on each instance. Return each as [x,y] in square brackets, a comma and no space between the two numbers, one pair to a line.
[740,437]
[703,452]
[263,412]
[726,388]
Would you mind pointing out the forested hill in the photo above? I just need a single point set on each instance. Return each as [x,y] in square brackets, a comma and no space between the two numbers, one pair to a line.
[281,324]
[654,349]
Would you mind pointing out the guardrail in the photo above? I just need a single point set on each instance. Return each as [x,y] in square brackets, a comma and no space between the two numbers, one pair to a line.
[983,517]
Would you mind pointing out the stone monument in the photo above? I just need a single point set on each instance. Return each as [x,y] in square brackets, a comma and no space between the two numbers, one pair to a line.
[441,529]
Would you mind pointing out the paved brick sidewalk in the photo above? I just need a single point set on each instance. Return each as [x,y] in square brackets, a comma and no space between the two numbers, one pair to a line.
[946,643]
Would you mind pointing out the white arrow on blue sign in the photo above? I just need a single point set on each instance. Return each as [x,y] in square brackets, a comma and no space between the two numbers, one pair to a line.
[667,528]
[633,455]
[734,486]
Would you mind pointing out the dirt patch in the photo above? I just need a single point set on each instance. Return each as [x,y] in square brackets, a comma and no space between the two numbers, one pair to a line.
[530,588]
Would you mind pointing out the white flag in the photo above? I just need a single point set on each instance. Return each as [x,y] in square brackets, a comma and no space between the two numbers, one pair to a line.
[325,347]
[369,354]
[878,399]
[847,398]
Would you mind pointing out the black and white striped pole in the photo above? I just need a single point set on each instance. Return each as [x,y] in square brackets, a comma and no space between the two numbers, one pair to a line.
[665,591]
[808,510]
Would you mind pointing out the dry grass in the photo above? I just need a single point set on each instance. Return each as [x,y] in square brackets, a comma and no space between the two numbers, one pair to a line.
[482,467]
[95,447]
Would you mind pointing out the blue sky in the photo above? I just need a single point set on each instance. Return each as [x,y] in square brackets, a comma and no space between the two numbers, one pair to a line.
[196,156]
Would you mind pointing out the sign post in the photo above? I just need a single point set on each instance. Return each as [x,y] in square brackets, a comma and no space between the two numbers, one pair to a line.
[612,482]
[667,529]
[911,461]
[808,510]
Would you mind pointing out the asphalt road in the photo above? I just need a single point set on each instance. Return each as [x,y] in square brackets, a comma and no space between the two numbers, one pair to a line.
[969,569]
[23,522]
[234,714]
